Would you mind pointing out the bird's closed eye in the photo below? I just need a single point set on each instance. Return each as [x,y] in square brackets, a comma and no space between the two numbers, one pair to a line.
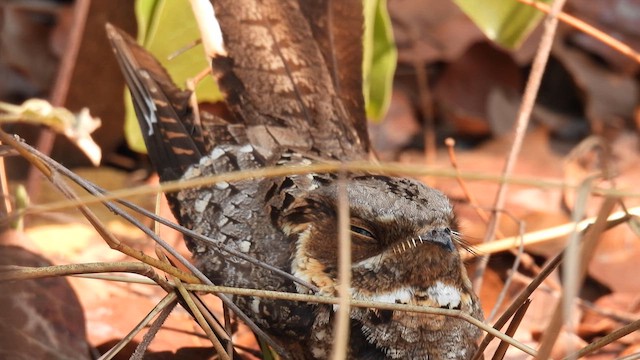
[362,232]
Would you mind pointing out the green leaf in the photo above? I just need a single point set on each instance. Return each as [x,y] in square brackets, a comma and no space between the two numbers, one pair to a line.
[165,26]
[21,203]
[379,58]
[507,22]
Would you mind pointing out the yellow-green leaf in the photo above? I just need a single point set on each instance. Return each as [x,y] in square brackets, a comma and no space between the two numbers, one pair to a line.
[507,22]
[165,26]
[379,58]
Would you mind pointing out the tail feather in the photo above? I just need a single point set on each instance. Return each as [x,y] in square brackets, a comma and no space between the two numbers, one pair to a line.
[174,142]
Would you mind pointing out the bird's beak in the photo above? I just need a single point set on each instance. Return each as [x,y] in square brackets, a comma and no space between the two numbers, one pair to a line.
[441,236]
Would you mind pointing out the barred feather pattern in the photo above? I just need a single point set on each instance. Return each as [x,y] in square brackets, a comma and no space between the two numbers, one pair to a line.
[294,94]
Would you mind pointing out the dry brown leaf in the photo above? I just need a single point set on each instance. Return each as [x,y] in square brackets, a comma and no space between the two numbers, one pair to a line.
[615,262]
[39,319]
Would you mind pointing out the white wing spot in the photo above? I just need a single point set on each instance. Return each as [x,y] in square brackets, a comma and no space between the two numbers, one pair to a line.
[402,295]
[244,246]
[255,306]
[444,295]
[222,185]
[201,204]
[246,149]
[216,153]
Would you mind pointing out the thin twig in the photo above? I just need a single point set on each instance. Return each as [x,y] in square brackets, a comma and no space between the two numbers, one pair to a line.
[113,242]
[222,332]
[184,49]
[587,29]
[511,330]
[520,256]
[616,315]
[572,254]
[451,143]
[605,340]
[191,85]
[102,230]
[553,329]
[201,314]
[228,328]
[125,279]
[140,350]
[320,299]
[549,234]
[524,114]
[328,167]
[517,302]
[168,300]
[13,273]
[62,83]
[507,283]
[97,191]
[186,297]
[341,330]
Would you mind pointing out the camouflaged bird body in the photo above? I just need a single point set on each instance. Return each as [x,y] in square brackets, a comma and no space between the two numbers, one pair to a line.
[239,215]
[292,81]
[289,222]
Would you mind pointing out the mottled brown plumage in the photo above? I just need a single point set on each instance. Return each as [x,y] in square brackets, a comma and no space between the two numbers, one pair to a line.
[292,81]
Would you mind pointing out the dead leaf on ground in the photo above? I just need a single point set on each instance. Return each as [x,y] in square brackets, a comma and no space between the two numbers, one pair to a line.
[42,318]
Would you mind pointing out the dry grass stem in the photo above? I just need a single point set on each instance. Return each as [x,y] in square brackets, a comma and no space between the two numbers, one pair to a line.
[511,330]
[517,303]
[189,299]
[341,330]
[605,340]
[553,329]
[12,273]
[329,167]
[616,315]
[193,99]
[363,304]
[124,279]
[509,280]
[165,302]
[141,349]
[202,322]
[572,256]
[587,29]
[34,157]
[552,233]
[524,114]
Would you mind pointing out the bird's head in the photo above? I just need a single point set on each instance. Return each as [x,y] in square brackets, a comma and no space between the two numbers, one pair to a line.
[404,249]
